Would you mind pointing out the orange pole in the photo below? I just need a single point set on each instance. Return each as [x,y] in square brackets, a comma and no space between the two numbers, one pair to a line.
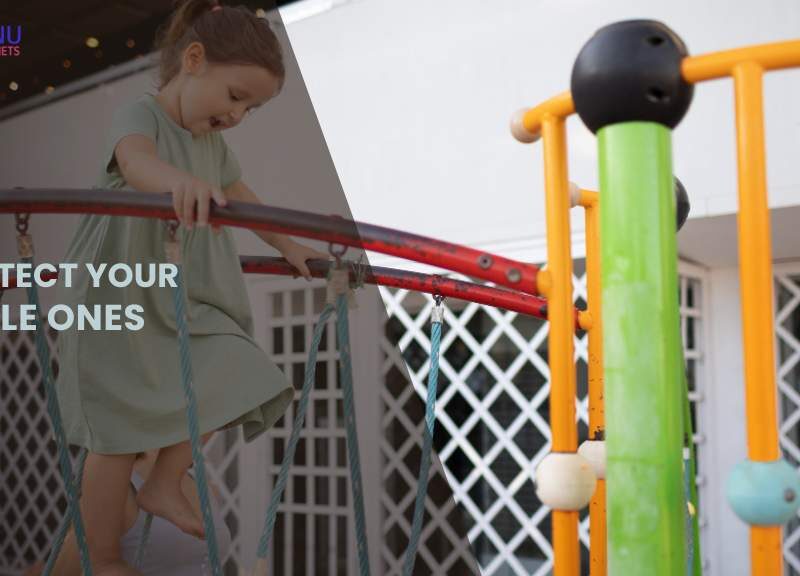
[558,106]
[773,56]
[755,277]
[562,331]
[597,420]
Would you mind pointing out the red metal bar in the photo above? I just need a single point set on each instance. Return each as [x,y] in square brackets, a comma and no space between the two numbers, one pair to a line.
[379,275]
[490,267]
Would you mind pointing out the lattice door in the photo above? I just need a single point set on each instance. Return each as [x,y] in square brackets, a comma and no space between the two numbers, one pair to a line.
[313,533]
[32,499]
[787,329]
[492,431]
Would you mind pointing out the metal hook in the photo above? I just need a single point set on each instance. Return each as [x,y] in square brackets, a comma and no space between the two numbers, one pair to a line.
[22,222]
[337,252]
[172,229]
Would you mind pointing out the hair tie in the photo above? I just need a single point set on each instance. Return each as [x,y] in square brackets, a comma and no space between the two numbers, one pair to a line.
[216,7]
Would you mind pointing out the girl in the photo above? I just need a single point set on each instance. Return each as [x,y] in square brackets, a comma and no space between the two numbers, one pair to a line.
[120,392]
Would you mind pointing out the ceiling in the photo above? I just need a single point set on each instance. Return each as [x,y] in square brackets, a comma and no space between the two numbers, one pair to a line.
[55,40]
[712,241]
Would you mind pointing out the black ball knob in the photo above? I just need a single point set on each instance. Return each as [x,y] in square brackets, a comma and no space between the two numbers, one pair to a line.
[681,203]
[631,71]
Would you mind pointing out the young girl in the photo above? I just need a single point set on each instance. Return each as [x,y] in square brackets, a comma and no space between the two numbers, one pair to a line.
[120,392]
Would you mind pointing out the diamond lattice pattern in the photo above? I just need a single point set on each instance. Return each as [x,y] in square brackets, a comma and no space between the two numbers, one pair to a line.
[492,431]
[787,329]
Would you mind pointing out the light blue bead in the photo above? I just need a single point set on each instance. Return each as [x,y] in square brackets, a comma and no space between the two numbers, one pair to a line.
[764,493]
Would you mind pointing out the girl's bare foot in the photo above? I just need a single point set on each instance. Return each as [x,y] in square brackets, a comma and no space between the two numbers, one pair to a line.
[115,569]
[166,500]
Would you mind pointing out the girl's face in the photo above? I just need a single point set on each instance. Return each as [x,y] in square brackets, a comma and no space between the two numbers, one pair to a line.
[217,96]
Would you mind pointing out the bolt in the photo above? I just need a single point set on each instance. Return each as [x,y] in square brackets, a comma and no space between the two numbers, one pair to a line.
[514,275]
[789,495]
[485,261]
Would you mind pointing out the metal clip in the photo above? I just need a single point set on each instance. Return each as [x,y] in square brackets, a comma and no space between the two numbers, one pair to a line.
[437,314]
[24,240]
[337,251]
[22,222]
[339,284]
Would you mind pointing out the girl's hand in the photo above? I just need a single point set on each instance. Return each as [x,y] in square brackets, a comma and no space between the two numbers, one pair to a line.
[188,192]
[297,254]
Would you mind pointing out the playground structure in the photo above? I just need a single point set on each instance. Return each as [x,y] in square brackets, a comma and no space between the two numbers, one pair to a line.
[644,451]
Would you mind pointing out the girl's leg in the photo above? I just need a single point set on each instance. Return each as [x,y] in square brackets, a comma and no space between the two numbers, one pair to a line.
[106,480]
[161,494]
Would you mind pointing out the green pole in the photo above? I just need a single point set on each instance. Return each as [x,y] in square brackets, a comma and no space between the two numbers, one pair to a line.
[644,412]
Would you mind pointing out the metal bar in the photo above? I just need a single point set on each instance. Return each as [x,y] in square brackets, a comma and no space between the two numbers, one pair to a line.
[559,106]
[774,56]
[641,351]
[416,281]
[755,278]
[490,267]
[561,348]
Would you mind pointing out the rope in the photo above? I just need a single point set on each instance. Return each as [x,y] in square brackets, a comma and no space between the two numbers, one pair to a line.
[43,352]
[427,443]
[194,435]
[148,523]
[288,457]
[66,521]
[346,376]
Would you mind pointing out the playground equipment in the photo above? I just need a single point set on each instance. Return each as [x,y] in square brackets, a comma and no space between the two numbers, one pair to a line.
[631,84]
[633,463]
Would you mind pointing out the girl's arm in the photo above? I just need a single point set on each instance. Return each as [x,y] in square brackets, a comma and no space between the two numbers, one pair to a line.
[138,161]
[295,253]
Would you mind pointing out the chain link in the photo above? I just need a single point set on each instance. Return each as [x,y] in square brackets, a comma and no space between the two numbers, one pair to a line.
[22,222]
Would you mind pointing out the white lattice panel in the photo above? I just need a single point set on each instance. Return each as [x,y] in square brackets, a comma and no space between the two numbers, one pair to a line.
[32,498]
[314,527]
[787,329]
[492,431]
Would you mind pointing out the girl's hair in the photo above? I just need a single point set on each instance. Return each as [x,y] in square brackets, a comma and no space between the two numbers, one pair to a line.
[230,35]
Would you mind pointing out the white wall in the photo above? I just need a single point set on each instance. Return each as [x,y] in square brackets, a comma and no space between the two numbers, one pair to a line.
[414,99]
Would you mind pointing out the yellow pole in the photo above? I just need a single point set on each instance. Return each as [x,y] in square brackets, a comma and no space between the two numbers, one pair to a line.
[561,317]
[597,422]
[755,276]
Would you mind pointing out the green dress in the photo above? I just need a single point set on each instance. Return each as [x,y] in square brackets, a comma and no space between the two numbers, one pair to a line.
[120,391]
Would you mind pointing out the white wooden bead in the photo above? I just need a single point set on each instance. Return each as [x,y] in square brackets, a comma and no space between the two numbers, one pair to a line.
[565,481]
[595,452]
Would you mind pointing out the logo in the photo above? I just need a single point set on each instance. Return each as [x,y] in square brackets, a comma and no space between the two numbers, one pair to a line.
[10,39]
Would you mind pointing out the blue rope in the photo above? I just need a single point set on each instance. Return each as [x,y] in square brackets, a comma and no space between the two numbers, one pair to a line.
[346,376]
[66,521]
[148,523]
[427,444]
[191,412]
[43,352]
[299,419]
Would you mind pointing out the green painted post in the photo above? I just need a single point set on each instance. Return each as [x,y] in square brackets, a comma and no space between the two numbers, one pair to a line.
[646,523]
